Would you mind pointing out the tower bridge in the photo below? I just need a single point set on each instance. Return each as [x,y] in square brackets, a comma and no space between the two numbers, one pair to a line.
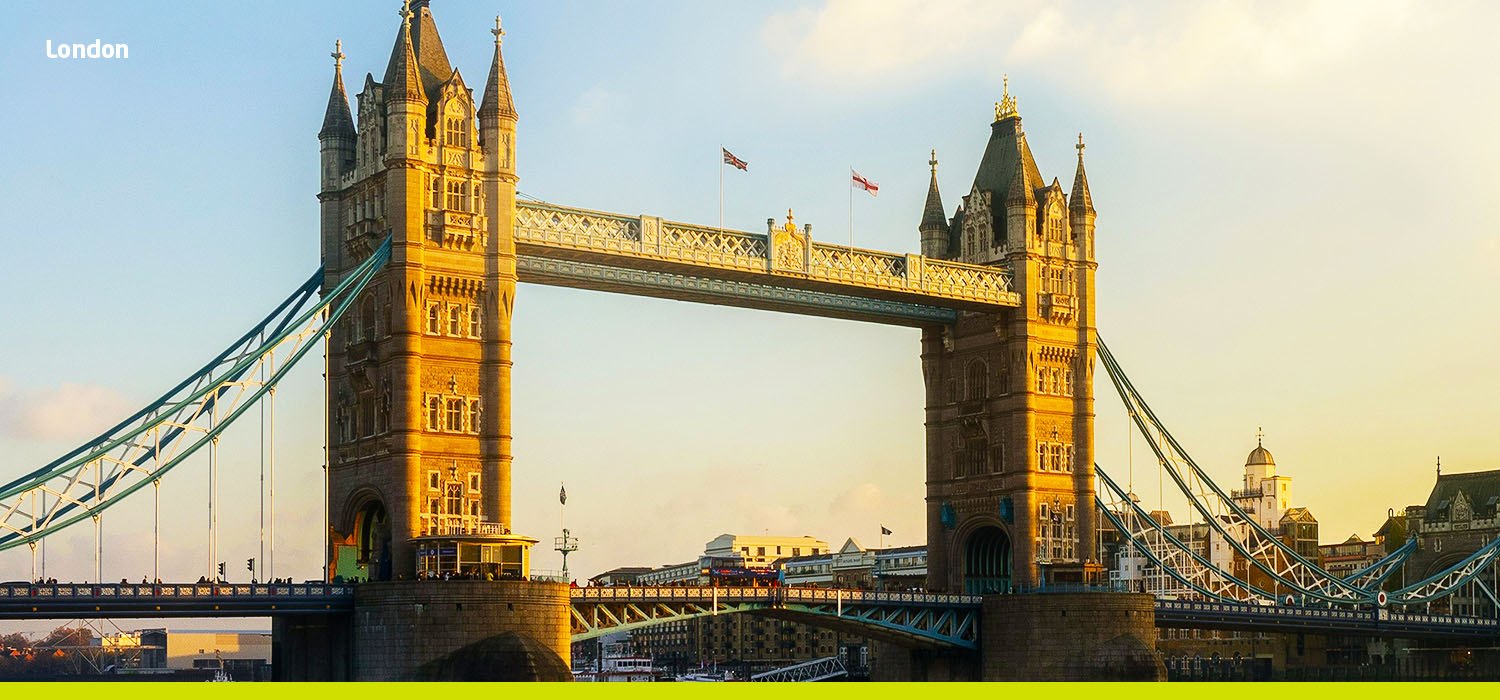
[424,241]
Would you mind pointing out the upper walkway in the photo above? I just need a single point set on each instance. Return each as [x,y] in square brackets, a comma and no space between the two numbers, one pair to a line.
[783,270]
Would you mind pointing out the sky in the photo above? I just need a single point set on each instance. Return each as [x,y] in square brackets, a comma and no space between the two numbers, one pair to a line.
[1294,220]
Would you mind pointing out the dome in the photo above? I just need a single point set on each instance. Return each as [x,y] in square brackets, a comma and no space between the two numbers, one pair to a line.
[1258,456]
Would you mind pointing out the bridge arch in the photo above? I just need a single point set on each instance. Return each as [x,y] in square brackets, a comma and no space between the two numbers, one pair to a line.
[987,558]
[367,521]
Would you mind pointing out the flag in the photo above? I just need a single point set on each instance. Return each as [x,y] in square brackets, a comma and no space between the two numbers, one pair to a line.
[865,183]
[731,159]
[562,495]
[885,530]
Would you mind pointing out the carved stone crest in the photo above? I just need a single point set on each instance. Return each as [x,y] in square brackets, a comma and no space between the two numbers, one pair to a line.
[788,247]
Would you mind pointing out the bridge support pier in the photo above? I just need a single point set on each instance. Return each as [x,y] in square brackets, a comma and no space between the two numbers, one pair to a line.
[433,630]
[1070,637]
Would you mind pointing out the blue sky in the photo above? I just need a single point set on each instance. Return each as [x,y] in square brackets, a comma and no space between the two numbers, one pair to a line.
[1294,214]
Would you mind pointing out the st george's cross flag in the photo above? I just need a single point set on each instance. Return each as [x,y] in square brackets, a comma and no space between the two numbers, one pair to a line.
[731,159]
[865,183]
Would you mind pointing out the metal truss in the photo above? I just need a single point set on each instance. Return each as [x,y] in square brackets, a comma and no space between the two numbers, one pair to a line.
[805,672]
[934,619]
[572,273]
[1238,529]
[1175,558]
[1269,554]
[143,448]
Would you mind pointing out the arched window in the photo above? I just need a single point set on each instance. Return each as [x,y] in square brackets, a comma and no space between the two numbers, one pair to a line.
[978,380]
[437,192]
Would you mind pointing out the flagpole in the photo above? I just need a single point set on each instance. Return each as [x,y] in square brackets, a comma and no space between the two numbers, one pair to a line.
[851,217]
[721,187]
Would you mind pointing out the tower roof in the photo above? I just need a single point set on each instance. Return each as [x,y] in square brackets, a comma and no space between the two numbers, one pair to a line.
[402,78]
[1260,456]
[497,100]
[932,213]
[1080,200]
[1008,169]
[336,119]
[432,59]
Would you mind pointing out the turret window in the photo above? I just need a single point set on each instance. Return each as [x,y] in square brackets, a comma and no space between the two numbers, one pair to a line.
[434,318]
[457,135]
[458,192]
[437,192]
[473,321]
[455,320]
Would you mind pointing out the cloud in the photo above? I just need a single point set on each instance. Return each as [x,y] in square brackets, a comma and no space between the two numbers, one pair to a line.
[595,105]
[863,499]
[1125,49]
[68,411]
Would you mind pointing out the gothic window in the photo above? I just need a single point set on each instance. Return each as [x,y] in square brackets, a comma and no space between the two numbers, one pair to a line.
[434,318]
[458,192]
[366,415]
[1067,382]
[474,321]
[474,509]
[1055,222]
[997,459]
[455,320]
[474,415]
[455,416]
[437,192]
[978,380]
[432,481]
[1041,380]
[434,413]
[474,482]
[1041,456]
[455,499]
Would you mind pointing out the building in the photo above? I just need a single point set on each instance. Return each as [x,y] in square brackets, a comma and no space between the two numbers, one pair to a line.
[1009,395]
[1266,499]
[853,566]
[418,375]
[1350,556]
[621,576]
[761,552]
[1461,515]
[243,654]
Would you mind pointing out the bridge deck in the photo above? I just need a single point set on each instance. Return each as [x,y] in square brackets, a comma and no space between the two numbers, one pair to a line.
[22,601]
[781,270]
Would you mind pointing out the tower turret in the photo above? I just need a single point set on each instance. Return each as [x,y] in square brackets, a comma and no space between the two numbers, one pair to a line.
[337,136]
[934,226]
[1081,207]
[405,98]
[497,134]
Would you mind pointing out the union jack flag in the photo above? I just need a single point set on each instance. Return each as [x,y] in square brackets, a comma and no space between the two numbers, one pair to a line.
[731,159]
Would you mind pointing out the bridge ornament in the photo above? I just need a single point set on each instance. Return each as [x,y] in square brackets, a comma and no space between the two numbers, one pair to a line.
[789,247]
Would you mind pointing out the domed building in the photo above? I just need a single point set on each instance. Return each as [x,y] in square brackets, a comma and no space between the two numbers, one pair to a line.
[1265,496]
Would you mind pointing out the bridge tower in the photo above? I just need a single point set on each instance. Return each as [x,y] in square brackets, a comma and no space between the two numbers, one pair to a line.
[1010,418]
[418,376]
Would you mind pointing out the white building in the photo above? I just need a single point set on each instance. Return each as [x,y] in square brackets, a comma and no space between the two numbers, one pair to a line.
[760,552]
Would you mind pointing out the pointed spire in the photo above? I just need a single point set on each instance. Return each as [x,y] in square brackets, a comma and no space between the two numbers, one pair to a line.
[336,119]
[932,213]
[402,81]
[1081,200]
[497,100]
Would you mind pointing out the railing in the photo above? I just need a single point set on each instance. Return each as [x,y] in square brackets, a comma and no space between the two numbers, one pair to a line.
[763,594]
[170,590]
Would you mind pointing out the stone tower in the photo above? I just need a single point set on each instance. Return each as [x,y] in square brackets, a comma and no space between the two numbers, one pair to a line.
[1010,418]
[419,373]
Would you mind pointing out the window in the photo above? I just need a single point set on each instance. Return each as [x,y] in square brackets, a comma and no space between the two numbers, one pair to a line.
[457,191]
[796,551]
[474,415]
[455,422]
[474,321]
[434,413]
[760,551]
[437,192]
[366,415]
[474,508]
[455,499]
[432,481]
[1041,457]
[455,320]
[474,482]
[434,318]
[978,380]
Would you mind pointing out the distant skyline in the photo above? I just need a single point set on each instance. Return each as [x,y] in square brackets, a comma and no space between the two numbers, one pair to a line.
[1294,215]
